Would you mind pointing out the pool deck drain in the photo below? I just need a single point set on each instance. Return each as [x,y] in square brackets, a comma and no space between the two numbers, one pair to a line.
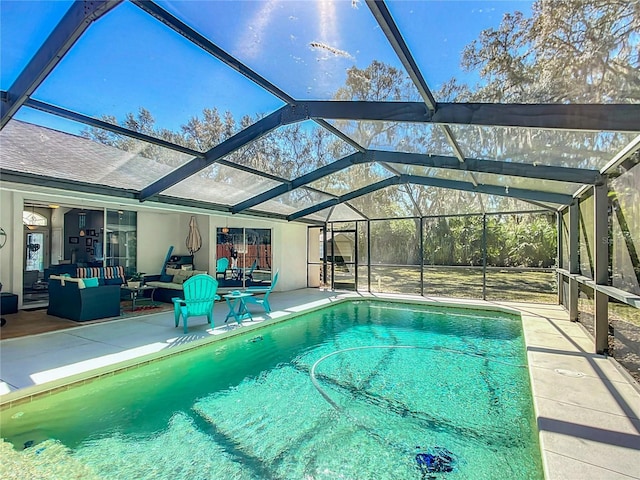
[587,407]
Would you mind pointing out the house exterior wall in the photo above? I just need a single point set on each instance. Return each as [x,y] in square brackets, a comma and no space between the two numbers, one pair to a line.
[158,228]
[290,256]
[157,231]
[7,252]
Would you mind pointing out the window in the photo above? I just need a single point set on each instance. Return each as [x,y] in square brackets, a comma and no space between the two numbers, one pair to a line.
[33,219]
[249,254]
[35,251]
[121,240]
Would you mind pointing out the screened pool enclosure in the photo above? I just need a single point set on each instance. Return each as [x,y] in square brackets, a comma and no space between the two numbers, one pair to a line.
[479,149]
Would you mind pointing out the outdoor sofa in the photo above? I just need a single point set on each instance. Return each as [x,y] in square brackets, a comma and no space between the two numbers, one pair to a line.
[105,275]
[82,299]
[169,284]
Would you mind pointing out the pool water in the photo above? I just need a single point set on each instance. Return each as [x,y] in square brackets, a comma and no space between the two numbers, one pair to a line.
[359,390]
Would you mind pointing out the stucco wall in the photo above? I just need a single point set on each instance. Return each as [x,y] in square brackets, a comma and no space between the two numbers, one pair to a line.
[6,252]
[158,228]
[290,256]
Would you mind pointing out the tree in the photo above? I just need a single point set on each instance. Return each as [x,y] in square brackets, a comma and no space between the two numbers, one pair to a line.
[580,51]
[378,82]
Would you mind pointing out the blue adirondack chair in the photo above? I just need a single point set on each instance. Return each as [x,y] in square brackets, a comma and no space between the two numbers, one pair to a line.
[199,296]
[262,301]
[221,267]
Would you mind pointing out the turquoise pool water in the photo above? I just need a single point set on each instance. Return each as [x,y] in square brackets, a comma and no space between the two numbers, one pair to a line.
[360,390]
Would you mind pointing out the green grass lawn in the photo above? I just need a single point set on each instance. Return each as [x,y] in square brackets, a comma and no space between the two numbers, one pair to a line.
[624,313]
[466,283]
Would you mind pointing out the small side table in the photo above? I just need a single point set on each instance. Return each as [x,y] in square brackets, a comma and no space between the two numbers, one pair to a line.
[138,292]
[237,306]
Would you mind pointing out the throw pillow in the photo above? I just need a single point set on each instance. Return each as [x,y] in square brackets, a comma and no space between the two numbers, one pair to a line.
[178,279]
[168,274]
[184,275]
[91,282]
[113,281]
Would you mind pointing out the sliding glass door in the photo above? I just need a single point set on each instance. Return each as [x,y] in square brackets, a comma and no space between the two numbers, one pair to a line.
[120,241]
[248,253]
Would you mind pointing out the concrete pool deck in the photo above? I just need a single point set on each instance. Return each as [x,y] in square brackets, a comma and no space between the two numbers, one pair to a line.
[588,408]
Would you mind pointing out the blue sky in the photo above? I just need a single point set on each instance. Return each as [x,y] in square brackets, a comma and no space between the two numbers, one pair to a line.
[127,59]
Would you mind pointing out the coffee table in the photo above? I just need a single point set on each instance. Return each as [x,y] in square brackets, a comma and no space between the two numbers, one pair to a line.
[137,294]
[237,306]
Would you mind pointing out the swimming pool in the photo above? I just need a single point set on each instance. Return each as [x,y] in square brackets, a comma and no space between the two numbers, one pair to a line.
[362,389]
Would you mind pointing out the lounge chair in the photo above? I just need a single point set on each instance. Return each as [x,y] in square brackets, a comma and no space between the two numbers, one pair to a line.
[199,296]
[262,301]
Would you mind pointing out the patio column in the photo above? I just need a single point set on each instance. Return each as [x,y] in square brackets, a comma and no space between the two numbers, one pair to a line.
[421,256]
[368,255]
[559,239]
[601,266]
[574,268]
[325,243]
[484,256]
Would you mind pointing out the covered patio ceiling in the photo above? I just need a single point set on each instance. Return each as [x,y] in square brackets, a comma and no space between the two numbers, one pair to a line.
[311,111]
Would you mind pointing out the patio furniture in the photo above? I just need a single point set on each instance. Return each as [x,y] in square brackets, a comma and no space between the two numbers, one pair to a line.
[249,273]
[172,285]
[61,269]
[240,273]
[9,303]
[137,294]
[264,301]
[70,298]
[199,297]
[180,261]
[221,267]
[106,275]
[236,301]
